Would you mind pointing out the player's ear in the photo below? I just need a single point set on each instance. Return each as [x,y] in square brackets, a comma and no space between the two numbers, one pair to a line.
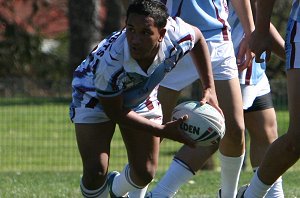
[162,33]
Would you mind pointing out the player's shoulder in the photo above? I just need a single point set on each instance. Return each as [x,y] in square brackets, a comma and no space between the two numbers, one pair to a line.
[177,27]
[111,44]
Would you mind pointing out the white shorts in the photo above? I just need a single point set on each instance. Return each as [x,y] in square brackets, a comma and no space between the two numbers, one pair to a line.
[150,109]
[89,115]
[250,92]
[223,65]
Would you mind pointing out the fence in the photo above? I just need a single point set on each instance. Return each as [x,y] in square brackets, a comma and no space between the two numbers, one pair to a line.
[37,135]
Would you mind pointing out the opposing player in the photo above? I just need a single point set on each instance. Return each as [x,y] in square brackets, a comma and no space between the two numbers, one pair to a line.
[117,84]
[286,147]
[211,18]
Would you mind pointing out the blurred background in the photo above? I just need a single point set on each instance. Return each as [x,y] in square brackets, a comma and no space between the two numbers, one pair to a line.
[41,43]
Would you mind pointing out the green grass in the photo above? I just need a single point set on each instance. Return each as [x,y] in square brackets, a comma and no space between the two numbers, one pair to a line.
[39,156]
[65,184]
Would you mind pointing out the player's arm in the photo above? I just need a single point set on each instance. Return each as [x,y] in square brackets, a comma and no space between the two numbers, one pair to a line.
[278,43]
[260,39]
[202,61]
[113,107]
[244,13]
[277,40]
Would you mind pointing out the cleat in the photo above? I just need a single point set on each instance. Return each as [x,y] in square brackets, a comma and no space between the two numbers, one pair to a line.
[241,191]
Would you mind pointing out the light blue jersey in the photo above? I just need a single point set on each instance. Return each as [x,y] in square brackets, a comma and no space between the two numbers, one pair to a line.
[254,73]
[110,70]
[295,11]
[210,16]
[292,37]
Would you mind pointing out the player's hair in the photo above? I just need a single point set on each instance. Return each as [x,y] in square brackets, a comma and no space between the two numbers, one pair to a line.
[152,8]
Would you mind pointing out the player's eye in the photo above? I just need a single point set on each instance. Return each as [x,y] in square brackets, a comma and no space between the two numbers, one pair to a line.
[129,29]
[148,33]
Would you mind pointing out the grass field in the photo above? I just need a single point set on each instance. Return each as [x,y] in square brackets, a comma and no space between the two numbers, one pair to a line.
[39,157]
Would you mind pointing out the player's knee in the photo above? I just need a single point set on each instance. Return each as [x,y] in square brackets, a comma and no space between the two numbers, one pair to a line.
[235,132]
[94,170]
[146,173]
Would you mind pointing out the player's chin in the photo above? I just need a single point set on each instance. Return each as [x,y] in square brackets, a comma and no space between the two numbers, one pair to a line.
[136,54]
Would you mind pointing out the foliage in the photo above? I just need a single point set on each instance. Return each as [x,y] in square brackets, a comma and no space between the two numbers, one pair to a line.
[22,38]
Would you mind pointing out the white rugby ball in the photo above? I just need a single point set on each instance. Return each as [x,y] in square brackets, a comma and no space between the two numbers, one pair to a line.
[205,124]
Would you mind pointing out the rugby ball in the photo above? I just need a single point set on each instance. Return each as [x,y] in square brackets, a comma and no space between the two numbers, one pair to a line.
[205,124]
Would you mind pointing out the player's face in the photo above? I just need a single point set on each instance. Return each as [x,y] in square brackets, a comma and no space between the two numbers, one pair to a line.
[143,37]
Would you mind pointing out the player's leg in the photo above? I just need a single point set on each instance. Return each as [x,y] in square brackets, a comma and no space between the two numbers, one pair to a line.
[232,145]
[286,147]
[262,126]
[143,151]
[93,142]
[184,165]
[260,118]
[262,129]
[168,99]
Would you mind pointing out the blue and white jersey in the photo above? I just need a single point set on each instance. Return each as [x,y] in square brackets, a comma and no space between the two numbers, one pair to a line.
[109,70]
[210,16]
[254,73]
[295,11]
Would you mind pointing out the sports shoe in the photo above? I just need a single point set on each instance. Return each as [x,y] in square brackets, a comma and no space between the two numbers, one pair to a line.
[219,193]
[148,195]
[241,191]
[110,178]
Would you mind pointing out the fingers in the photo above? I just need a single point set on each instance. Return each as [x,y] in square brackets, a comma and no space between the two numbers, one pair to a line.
[185,138]
[203,101]
[268,55]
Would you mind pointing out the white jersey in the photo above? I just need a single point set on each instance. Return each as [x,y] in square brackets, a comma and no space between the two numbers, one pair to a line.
[109,70]
[254,73]
[210,16]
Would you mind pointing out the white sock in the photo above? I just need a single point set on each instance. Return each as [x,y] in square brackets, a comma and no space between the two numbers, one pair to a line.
[177,174]
[257,188]
[276,190]
[230,174]
[101,192]
[123,184]
[139,193]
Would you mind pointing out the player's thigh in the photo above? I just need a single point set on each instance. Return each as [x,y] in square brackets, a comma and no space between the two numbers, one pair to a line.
[142,147]
[93,139]
[261,125]
[168,100]
[230,100]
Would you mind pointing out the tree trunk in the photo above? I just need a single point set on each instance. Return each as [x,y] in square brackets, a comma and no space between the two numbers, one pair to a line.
[84,30]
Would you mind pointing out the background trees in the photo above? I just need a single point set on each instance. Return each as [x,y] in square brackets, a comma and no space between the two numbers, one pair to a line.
[46,40]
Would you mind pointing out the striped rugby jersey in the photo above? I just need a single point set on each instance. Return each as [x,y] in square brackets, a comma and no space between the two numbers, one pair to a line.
[210,16]
[109,70]
[253,74]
